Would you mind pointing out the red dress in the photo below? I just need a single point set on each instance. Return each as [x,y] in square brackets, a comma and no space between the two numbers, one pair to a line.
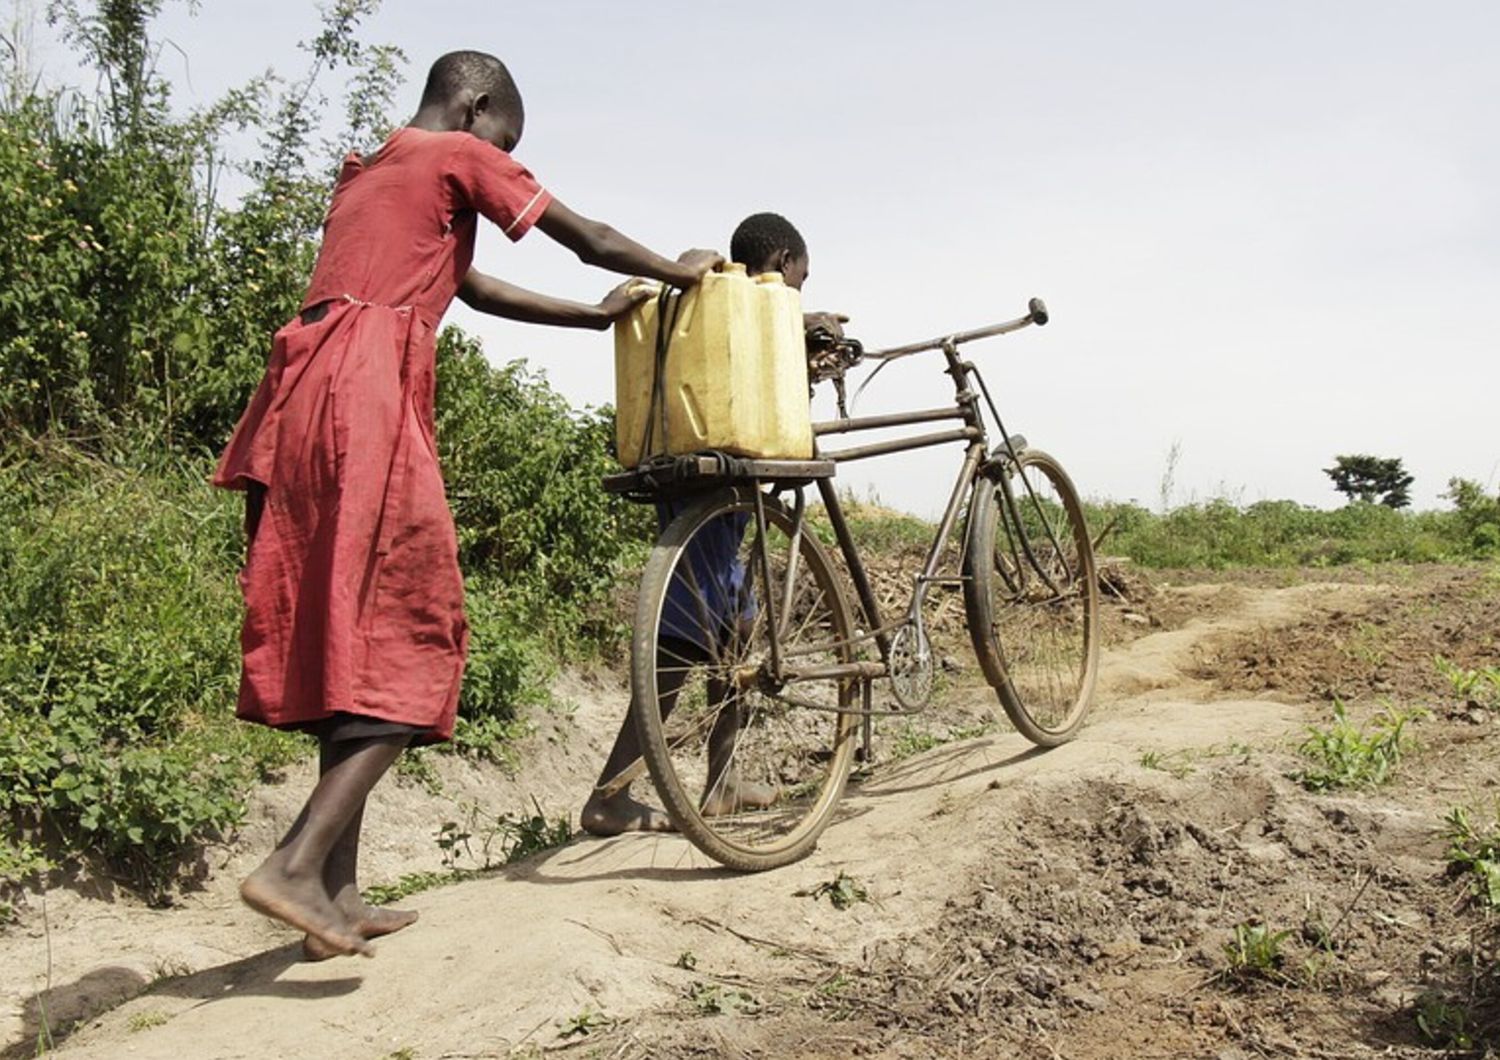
[353,598]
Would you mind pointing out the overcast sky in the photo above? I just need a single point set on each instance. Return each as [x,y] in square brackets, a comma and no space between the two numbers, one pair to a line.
[1268,232]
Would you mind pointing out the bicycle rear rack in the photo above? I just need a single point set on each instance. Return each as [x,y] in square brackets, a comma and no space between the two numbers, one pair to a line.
[668,477]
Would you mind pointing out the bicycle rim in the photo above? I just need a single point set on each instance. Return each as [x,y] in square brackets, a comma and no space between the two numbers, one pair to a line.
[1032,598]
[750,771]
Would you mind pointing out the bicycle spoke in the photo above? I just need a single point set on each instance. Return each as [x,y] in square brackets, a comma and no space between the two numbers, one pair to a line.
[773,766]
[1032,604]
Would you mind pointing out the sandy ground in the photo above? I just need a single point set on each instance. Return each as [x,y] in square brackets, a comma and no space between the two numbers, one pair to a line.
[1068,903]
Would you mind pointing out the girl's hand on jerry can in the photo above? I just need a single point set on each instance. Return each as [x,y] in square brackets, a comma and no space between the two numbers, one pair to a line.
[626,297]
[701,261]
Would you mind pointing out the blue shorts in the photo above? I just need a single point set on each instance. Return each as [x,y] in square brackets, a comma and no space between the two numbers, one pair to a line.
[708,596]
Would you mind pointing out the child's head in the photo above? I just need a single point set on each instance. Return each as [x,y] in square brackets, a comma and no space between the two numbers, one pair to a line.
[474,91]
[767,242]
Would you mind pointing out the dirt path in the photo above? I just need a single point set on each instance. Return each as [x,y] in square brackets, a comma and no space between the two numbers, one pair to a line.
[640,946]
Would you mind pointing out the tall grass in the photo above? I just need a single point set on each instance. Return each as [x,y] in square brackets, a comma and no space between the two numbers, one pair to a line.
[1220,533]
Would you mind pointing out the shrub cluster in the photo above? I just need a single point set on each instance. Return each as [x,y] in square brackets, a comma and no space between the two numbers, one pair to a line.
[539,542]
[117,661]
[128,297]
[523,471]
[1477,515]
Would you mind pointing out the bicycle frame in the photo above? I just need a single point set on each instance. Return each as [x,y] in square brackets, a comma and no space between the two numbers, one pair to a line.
[776,622]
[966,410]
[968,388]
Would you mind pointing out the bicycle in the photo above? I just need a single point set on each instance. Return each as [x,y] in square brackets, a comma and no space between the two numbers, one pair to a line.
[752,673]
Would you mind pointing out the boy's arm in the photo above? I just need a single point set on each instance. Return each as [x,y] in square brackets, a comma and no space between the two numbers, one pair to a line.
[498,298]
[596,243]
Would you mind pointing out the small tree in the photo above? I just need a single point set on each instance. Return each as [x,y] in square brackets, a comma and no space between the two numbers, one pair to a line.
[1478,514]
[1362,477]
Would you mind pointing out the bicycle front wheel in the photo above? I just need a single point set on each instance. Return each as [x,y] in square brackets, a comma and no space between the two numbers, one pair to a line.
[1032,597]
[750,760]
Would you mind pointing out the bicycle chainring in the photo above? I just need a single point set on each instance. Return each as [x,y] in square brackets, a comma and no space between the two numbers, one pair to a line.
[911,667]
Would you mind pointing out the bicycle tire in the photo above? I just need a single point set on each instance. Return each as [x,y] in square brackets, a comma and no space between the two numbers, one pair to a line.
[800,747]
[1032,597]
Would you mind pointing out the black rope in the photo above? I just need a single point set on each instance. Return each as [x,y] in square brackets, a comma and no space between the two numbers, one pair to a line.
[668,305]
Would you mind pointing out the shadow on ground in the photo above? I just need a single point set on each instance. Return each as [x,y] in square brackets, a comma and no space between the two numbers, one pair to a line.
[48,1016]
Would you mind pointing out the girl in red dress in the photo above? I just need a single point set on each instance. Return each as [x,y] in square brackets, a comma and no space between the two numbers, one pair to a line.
[354,626]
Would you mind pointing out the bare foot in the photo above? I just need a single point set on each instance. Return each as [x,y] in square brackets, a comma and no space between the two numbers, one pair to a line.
[734,795]
[620,813]
[303,904]
[374,920]
[371,921]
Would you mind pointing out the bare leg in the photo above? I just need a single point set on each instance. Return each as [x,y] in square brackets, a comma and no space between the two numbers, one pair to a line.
[728,791]
[613,814]
[289,885]
[339,877]
[607,815]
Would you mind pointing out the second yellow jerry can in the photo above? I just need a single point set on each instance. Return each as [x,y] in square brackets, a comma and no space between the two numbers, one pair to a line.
[734,372]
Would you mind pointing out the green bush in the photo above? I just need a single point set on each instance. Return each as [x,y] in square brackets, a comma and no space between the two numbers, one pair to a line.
[118,660]
[877,527]
[129,294]
[523,472]
[1478,514]
[94,259]
[506,673]
[540,543]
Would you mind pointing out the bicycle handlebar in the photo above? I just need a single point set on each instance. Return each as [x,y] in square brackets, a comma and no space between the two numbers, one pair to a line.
[1036,314]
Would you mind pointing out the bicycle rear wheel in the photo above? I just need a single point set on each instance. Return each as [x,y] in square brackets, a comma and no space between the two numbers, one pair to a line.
[750,769]
[1032,598]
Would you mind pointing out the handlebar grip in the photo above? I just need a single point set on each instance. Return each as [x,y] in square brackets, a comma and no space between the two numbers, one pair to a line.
[1038,311]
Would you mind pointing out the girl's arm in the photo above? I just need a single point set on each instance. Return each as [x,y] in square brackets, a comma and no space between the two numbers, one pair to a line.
[596,243]
[501,299]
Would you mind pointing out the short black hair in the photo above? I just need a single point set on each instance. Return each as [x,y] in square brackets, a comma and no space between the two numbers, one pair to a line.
[476,71]
[761,236]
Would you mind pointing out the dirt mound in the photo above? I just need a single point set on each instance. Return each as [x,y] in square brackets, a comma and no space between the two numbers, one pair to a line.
[1131,906]
[1132,605]
[1120,579]
[1102,928]
[995,901]
[1383,647]
[1099,923]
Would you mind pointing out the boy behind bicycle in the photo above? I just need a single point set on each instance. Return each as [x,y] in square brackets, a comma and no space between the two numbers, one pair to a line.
[763,242]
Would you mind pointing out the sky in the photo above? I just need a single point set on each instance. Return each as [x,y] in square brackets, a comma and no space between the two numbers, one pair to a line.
[1268,233]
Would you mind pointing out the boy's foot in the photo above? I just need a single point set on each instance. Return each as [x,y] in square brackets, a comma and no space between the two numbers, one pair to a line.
[736,796]
[370,921]
[620,813]
[303,904]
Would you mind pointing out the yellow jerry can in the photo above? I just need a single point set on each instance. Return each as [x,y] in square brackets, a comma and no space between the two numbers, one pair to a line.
[734,372]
